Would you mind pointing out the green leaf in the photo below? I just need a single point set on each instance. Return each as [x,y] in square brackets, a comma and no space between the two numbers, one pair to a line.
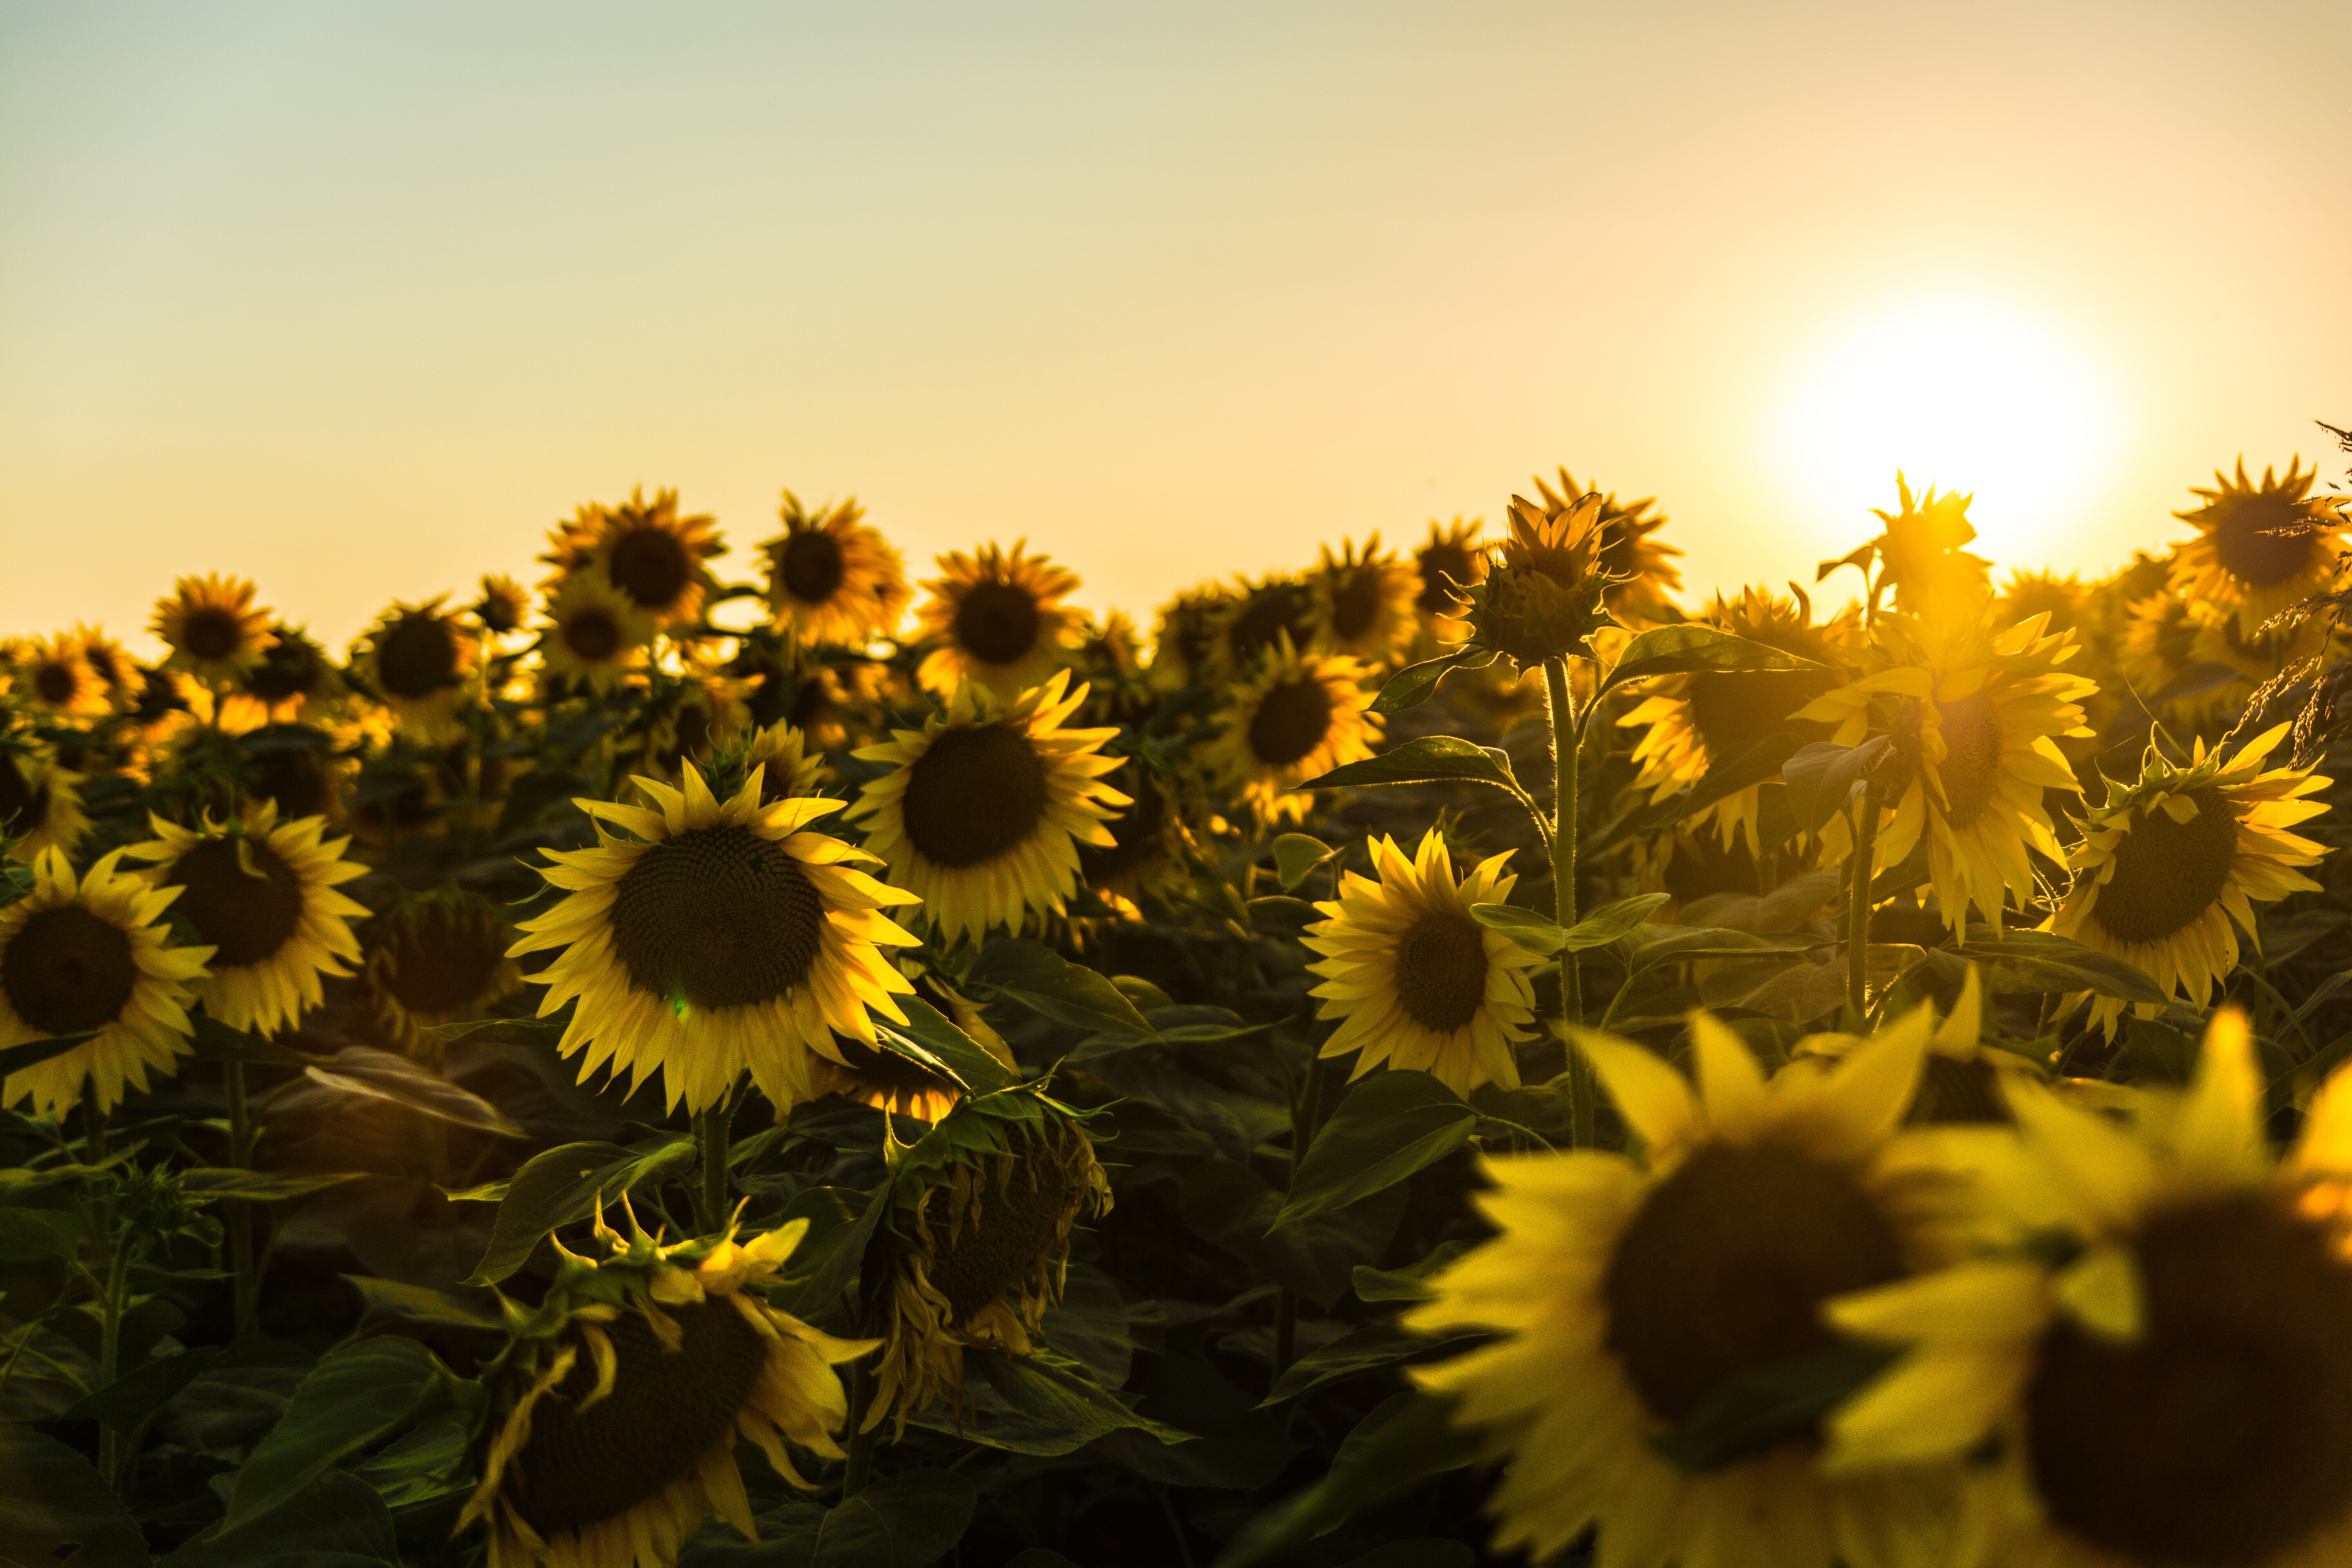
[419,1304]
[909,1520]
[260,1186]
[385,1075]
[1233,1208]
[337,1521]
[1409,1283]
[931,1040]
[1765,1406]
[1599,929]
[1407,1438]
[27,1236]
[2044,960]
[841,1222]
[1296,855]
[1416,683]
[1066,993]
[1690,646]
[145,1389]
[1382,1342]
[1823,775]
[1278,912]
[1432,759]
[1531,930]
[353,1396]
[33,1053]
[54,1508]
[1046,1405]
[424,1462]
[560,1187]
[1648,946]
[1392,1124]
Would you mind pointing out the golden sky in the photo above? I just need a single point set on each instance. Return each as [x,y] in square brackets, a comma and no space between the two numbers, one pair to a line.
[357,299]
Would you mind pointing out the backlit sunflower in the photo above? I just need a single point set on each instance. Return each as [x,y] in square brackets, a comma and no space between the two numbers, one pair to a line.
[2168,863]
[984,808]
[418,660]
[998,617]
[435,959]
[40,801]
[832,578]
[1451,564]
[1187,628]
[2174,1388]
[1291,718]
[1691,722]
[55,674]
[2221,639]
[981,1216]
[719,938]
[211,627]
[2031,593]
[1542,598]
[1364,603]
[1974,715]
[790,767]
[647,551]
[1153,848]
[294,683]
[1919,554]
[263,893]
[1628,1296]
[1414,980]
[595,635]
[616,1403]
[1639,565]
[2159,647]
[898,1084]
[2259,548]
[503,606]
[1110,650]
[113,665]
[92,953]
[1254,620]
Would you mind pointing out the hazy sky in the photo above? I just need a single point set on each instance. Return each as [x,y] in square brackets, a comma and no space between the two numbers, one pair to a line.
[358,299]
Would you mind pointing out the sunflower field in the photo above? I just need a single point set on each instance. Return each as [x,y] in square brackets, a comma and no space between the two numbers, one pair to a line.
[1469,1054]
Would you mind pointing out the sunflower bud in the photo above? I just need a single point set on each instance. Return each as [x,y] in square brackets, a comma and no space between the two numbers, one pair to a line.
[1542,597]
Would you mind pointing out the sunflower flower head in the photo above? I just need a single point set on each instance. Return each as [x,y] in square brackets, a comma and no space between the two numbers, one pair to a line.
[41,799]
[1154,848]
[2261,547]
[55,678]
[1185,632]
[1364,603]
[435,958]
[420,660]
[1919,554]
[1253,620]
[1291,718]
[1451,564]
[213,628]
[999,619]
[504,606]
[596,635]
[112,665]
[832,578]
[646,551]
[1639,564]
[1546,590]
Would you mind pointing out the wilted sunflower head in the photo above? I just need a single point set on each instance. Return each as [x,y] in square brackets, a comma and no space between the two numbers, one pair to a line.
[504,605]
[832,578]
[2259,548]
[418,658]
[211,627]
[1546,587]
[1639,564]
[999,619]
[434,958]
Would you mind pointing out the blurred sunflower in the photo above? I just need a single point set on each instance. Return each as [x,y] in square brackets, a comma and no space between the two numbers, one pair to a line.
[596,635]
[1451,564]
[1628,1295]
[1110,650]
[418,660]
[647,551]
[92,954]
[40,800]
[2221,638]
[301,780]
[832,578]
[263,894]
[1253,621]
[2174,1391]
[1000,619]
[1187,628]
[2159,647]
[2259,548]
[435,958]
[1638,565]
[1919,554]
[2169,862]
[1414,980]
[724,937]
[1364,603]
[55,673]
[1289,719]
[113,665]
[504,606]
[984,809]
[2031,593]
[211,627]
[615,1404]
[788,766]
[690,719]
[1153,849]
[294,680]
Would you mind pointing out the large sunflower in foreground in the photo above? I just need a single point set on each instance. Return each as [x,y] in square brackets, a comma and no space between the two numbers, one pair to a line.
[1291,718]
[617,1401]
[1974,715]
[263,893]
[999,620]
[1364,603]
[2170,867]
[86,953]
[435,959]
[647,551]
[720,938]
[1639,565]
[1628,1295]
[2259,547]
[418,660]
[2174,1388]
[213,628]
[832,578]
[1691,722]
[984,808]
[596,635]
[1414,980]
[40,801]
[55,674]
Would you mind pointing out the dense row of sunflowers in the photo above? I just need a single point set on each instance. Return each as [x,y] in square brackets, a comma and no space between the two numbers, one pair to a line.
[1448,1052]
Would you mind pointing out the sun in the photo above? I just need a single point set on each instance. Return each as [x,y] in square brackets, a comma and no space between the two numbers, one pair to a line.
[1964,394]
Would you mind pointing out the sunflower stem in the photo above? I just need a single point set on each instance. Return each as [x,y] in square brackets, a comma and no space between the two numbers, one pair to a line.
[236,1214]
[865,1437]
[93,1131]
[1858,936]
[113,1443]
[1567,733]
[710,1130]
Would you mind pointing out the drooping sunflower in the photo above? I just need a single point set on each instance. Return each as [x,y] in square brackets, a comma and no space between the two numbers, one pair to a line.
[92,953]
[1691,722]
[418,659]
[1639,565]
[720,938]
[1364,603]
[263,893]
[40,800]
[984,808]
[1919,554]
[1291,718]
[1975,715]
[2259,548]
[55,673]
[1627,1295]
[211,627]
[503,606]
[113,665]
[2221,639]
[1153,846]
[647,551]
[1000,619]
[832,578]
[294,682]
[616,1403]
[2174,1389]
[435,959]
[595,633]
[1415,982]
[2168,863]
[1451,564]
[981,1216]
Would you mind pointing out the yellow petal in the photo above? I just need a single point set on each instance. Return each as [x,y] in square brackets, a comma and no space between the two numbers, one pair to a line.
[2101,1291]
[1958,1034]
[1730,1084]
[1654,1099]
[2218,1135]
[1978,1303]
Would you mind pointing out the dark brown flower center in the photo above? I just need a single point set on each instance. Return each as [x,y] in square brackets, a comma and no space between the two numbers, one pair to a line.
[418,656]
[1020,1224]
[973,794]
[247,915]
[650,565]
[1724,1266]
[2168,873]
[996,622]
[67,970]
[811,565]
[211,632]
[716,917]
[1441,971]
[666,1411]
[500,611]
[592,634]
[290,668]
[1970,770]
[1270,612]
[1356,603]
[443,959]
[1438,562]
[2222,1436]
[55,683]
[298,779]
[2247,543]
[1291,721]
[1734,710]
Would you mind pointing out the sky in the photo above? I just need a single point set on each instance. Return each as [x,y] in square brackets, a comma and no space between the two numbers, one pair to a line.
[358,299]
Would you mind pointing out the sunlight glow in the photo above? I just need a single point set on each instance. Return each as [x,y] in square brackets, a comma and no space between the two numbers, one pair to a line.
[1961,394]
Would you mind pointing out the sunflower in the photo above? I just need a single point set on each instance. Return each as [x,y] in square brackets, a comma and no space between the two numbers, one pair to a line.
[1364,603]
[92,954]
[1451,564]
[617,1402]
[1919,554]
[503,606]
[984,809]
[435,959]
[790,767]
[1181,642]
[871,1075]
[1691,722]
[1638,565]
[1629,1295]
[2173,1389]
[648,553]
[981,1212]
[2168,863]
[55,672]
[263,893]
[596,635]
[418,660]
[1544,592]
[2159,647]
[1153,851]
[1974,714]
[2221,638]
[295,680]
[1414,980]
[2259,548]
[212,628]
[1001,620]
[113,665]
[831,578]
[1255,619]
[722,938]
[40,801]
[1291,718]
[1110,650]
